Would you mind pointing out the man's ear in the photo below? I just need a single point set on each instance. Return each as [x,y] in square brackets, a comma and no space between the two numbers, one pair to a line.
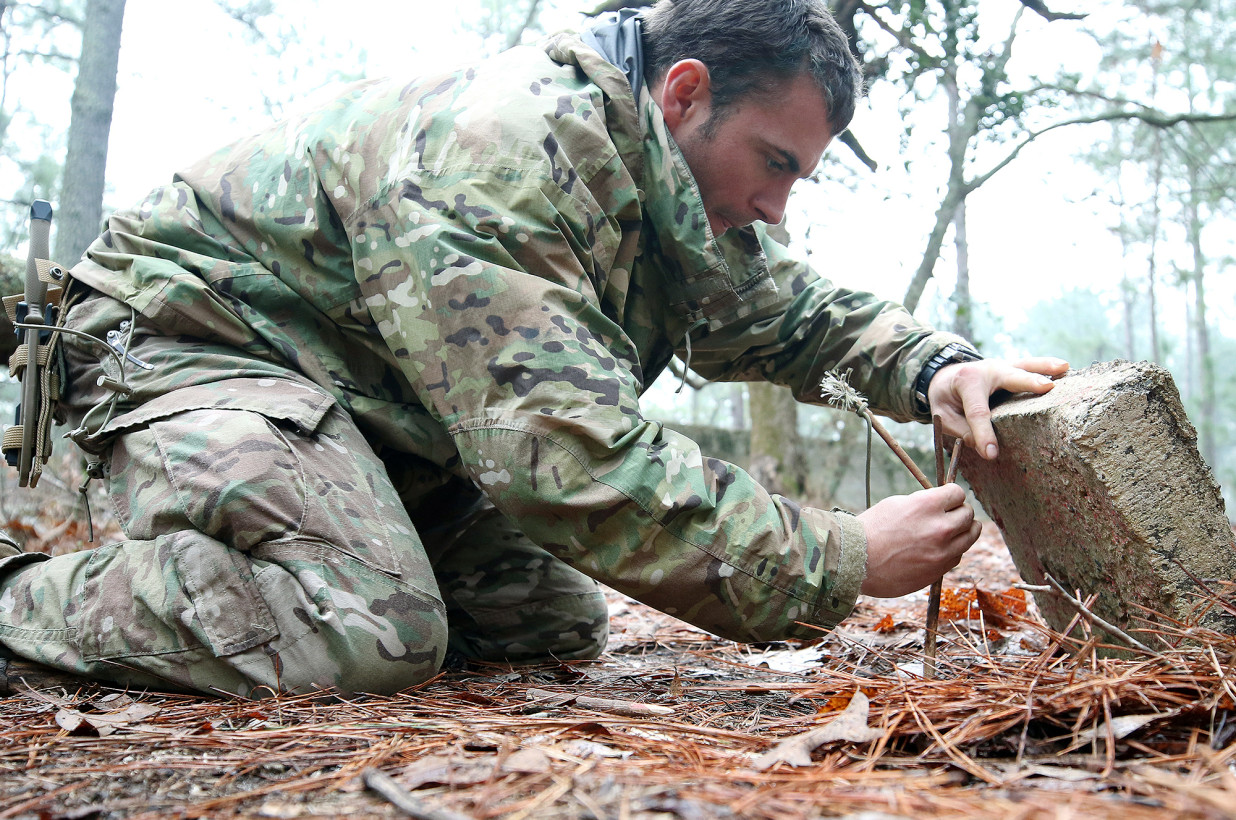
[685,93]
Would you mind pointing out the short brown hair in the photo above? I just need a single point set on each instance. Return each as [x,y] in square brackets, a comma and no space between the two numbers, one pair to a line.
[754,46]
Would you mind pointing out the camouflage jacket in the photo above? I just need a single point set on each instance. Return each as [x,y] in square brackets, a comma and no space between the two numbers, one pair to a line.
[487,268]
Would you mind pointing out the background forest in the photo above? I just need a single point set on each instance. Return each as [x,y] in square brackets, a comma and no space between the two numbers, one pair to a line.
[1043,176]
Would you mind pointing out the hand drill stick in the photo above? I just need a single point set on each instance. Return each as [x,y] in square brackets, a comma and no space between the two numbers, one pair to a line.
[937,586]
[837,390]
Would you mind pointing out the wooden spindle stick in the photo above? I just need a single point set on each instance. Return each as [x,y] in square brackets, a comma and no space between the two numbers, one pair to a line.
[937,586]
[952,464]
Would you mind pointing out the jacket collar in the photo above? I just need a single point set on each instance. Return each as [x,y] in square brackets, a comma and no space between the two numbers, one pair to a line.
[707,279]
[713,279]
[618,37]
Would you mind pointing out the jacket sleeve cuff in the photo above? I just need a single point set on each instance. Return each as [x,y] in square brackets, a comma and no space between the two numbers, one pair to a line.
[852,569]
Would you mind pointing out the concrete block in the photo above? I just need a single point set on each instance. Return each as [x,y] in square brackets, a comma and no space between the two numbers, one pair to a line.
[1099,483]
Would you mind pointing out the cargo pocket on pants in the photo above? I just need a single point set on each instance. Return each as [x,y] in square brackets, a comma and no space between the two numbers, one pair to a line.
[231,616]
[252,462]
[198,595]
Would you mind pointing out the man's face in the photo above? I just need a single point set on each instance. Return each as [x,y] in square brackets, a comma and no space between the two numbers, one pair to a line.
[746,163]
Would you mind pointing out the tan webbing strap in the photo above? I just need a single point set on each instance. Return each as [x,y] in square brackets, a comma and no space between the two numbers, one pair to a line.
[21,358]
[50,272]
[11,302]
[12,437]
[10,305]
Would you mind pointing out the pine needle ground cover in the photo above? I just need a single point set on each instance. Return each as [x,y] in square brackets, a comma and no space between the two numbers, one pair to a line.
[1018,721]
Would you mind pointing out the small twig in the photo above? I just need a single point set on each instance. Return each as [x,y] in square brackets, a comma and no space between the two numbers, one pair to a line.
[618,707]
[937,586]
[953,462]
[404,800]
[1084,611]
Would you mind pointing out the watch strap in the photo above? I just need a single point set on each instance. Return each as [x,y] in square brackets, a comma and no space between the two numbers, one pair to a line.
[953,353]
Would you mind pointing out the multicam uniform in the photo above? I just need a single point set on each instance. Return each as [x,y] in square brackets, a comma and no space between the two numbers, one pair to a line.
[398,349]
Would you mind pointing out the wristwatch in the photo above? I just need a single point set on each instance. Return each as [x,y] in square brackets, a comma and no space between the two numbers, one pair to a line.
[950,354]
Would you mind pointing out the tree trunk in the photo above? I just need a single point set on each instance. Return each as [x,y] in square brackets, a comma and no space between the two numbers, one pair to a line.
[1206,370]
[1128,291]
[1152,266]
[963,309]
[963,323]
[961,129]
[738,416]
[5,71]
[777,462]
[1155,216]
[944,216]
[81,193]
[516,35]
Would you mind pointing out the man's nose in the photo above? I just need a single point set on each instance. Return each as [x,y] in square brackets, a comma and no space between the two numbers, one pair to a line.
[770,204]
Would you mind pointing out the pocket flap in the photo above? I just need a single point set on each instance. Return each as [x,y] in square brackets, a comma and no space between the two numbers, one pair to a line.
[276,399]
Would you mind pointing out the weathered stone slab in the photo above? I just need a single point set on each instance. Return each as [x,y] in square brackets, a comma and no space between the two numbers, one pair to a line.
[1099,484]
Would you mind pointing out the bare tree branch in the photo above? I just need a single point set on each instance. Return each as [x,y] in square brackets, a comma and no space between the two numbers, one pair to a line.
[903,37]
[1040,8]
[851,142]
[46,55]
[1154,119]
[1087,94]
[247,16]
[680,372]
[1002,59]
[50,15]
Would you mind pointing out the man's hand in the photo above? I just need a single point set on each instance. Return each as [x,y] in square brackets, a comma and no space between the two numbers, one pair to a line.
[912,540]
[961,394]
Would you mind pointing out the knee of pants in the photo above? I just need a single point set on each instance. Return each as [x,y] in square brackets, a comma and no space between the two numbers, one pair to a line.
[358,653]
[363,665]
[358,630]
[196,615]
[570,627]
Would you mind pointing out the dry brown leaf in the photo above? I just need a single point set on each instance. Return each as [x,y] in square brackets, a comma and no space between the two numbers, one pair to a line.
[850,725]
[618,707]
[838,703]
[112,702]
[442,770]
[590,748]
[1119,727]
[957,604]
[997,608]
[1067,774]
[73,722]
[103,724]
[527,761]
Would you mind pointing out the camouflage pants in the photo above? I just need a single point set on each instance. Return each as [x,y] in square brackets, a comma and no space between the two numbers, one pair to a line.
[266,548]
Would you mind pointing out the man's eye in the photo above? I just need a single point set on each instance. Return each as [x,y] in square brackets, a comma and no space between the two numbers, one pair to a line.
[775,165]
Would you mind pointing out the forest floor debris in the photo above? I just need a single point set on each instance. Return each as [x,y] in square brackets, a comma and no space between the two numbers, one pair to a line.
[673,723]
